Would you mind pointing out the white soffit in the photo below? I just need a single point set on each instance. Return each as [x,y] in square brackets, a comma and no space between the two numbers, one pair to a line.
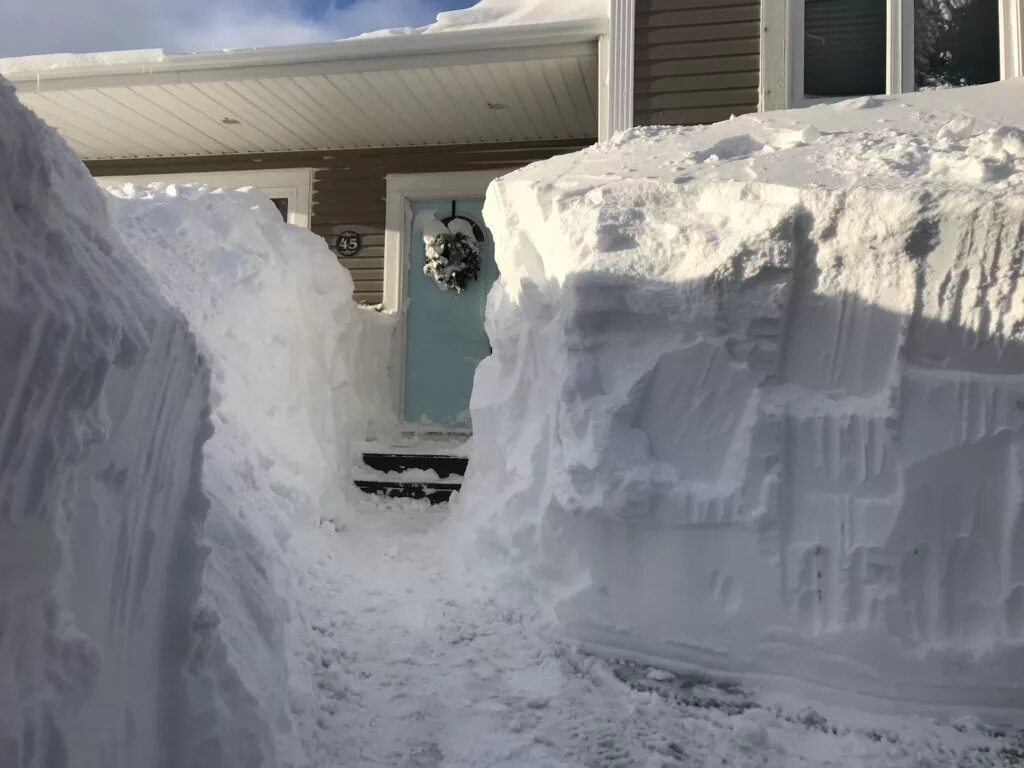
[534,82]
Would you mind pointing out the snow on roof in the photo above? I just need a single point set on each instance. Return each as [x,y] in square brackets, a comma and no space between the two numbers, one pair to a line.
[488,14]
[56,61]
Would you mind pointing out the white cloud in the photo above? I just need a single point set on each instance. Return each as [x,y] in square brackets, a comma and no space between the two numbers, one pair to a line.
[77,26]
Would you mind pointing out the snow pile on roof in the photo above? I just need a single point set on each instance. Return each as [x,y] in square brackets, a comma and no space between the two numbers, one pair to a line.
[274,310]
[103,410]
[755,401]
[55,61]
[488,14]
[503,13]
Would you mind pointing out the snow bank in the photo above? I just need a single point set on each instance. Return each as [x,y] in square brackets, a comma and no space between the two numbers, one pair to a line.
[274,310]
[103,410]
[755,401]
[152,473]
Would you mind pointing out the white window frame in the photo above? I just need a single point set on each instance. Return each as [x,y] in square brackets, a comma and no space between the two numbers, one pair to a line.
[782,49]
[403,189]
[293,184]
[615,57]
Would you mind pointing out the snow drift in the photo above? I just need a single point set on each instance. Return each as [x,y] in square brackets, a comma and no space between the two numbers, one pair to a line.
[103,412]
[756,400]
[274,311]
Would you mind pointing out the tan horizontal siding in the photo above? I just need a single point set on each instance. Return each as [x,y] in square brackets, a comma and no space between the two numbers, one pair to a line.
[695,61]
[349,185]
[698,116]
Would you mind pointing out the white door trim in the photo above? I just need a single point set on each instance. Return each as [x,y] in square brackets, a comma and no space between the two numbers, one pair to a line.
[774,82]
[402,189]
[294,184]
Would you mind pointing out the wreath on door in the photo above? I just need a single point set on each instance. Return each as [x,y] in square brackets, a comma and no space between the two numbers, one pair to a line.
[453,254]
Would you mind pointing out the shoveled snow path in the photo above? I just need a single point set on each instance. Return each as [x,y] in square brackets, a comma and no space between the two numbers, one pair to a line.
[416,667]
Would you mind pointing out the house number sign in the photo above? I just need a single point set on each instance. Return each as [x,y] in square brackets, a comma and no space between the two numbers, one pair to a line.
[348,243]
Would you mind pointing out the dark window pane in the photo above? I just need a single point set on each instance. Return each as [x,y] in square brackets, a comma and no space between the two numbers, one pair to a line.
[281,203]
[844,47]
[956,42]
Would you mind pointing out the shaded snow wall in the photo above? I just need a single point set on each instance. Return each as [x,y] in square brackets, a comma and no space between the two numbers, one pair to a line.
[761,426]
[274,311]
[103,403]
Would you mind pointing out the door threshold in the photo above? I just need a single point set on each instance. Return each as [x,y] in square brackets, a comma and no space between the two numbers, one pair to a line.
[438,441]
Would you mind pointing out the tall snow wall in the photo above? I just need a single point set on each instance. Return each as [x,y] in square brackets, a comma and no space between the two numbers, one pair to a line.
[103,414]
[175,400]
[274,311]
[756,399]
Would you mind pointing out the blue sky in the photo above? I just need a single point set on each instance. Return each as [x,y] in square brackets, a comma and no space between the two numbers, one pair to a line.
[76,26]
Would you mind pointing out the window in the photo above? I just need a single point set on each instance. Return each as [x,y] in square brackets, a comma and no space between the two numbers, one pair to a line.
[281,203]
[834,49]
[956,43]
[844,47]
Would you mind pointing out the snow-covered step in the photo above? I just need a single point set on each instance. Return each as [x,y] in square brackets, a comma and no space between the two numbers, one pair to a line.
[434,477]
[443,465]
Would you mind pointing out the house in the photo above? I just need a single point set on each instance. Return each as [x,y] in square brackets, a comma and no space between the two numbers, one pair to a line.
[361,139]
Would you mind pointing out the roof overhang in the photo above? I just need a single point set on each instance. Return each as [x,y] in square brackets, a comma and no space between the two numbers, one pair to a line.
[528,82]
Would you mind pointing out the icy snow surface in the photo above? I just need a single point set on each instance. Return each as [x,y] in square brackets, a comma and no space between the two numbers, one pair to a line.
[418,665]
[103,411]
[756,401]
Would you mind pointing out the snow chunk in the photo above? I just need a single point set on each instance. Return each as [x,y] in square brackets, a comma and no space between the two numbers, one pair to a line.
[755,396]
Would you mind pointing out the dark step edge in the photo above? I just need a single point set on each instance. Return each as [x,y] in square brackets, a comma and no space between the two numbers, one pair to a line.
[435,493]
[445,466]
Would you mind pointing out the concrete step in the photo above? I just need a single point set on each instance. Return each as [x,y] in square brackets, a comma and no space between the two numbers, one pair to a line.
[449,469]
[435,493]
[444,465]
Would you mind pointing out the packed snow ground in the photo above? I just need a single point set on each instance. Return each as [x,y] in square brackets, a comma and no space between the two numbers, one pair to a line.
[418,665]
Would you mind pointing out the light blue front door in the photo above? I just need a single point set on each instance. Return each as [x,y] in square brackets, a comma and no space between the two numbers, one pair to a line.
[445,338]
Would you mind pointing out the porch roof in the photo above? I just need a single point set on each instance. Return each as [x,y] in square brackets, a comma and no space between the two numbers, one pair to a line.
[528,82]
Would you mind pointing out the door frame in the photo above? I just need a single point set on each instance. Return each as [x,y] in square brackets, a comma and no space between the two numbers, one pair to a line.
[402,190]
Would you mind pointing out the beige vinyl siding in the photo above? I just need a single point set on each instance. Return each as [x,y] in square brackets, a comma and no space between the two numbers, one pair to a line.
[696,61]
[349,185]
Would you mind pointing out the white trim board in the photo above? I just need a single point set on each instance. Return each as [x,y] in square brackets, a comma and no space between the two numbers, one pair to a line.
[615,70]
[402,189]
[1011,37]
[294,184]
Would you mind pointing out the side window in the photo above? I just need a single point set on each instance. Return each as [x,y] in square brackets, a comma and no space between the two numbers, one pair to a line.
[281,203]
[955,43]
[844,47]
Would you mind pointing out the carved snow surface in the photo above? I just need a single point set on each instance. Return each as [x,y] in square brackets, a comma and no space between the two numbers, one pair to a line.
[756,400]
[103,414]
